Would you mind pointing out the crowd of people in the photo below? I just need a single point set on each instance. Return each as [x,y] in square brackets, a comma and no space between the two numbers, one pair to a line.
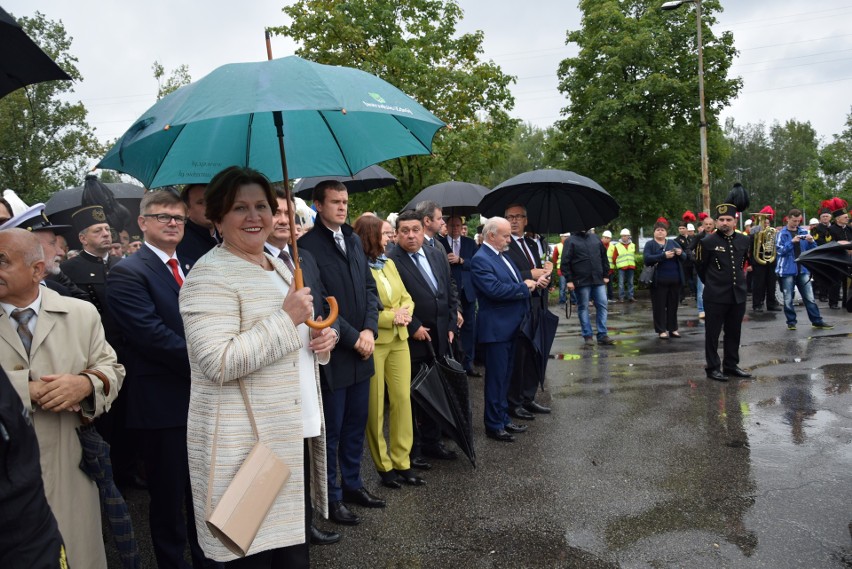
[211,331]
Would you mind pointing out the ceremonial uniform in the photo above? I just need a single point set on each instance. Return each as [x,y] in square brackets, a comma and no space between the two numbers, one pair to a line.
[837,290]
[89,273]
[720,259]
[821,235]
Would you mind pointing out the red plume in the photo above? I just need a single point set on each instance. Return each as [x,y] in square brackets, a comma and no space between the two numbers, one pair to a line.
[702,216]
[688,216]
[663,220]
[835,203]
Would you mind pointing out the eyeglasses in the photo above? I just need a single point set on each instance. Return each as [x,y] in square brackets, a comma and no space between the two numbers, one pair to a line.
[516,217]
[165,218]
[388,233]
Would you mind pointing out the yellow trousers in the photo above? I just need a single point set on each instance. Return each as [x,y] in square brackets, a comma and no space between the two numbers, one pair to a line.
[393,370]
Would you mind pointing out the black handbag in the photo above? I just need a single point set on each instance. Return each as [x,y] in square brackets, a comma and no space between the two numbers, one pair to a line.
[646,277]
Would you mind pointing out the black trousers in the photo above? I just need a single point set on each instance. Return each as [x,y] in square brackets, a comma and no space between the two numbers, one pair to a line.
[718,317]
[837,292]
[764,283]
[664,304]
[292,557]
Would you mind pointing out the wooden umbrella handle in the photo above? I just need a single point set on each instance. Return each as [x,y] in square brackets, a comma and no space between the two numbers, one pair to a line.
[332,304]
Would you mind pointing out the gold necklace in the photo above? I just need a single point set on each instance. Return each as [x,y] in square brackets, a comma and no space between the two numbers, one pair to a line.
[247,256]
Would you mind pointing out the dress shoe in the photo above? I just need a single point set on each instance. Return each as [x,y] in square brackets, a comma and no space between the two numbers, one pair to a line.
[757,309]
[322,537]
[521,413]
[716,375]
[340,514]
[420,464]
[514,428]
[439,451]
[408,477]
[390,480]
[774,308]
[737,372]
[363,498]
[500,435]
[606,341]
[834,306]
[473,373]
[534,407]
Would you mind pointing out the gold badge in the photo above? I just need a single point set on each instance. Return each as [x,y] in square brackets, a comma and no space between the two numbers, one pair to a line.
[98,215]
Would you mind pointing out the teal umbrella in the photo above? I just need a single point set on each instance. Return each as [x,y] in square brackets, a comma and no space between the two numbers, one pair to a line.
[336,121]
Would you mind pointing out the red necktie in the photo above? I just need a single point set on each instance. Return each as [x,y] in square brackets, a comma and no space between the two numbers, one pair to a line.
[173,264]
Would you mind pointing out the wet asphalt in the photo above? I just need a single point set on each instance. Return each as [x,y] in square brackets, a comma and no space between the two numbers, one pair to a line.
[644,463]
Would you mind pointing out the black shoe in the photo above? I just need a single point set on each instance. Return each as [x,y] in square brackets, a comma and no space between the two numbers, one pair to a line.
[420,464]
[390,480]
[737,372]
[340,514]
[757,309]
[514,428]
[500,435]
[408,477]
[534,407]
[439,451]
[774,308]
[834,306]
[716,375]
[606,341]
[362,498]
[521,413]
[473,373]
[322,537]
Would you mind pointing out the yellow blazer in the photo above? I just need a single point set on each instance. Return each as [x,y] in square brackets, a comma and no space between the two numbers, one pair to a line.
[393,295]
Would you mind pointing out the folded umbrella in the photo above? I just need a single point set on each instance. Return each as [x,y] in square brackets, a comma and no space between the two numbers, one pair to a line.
[22,62]
[97,464]
[556,201]
[456,383]
[370,178]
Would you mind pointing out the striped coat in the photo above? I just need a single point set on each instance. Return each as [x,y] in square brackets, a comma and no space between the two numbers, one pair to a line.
[236,328]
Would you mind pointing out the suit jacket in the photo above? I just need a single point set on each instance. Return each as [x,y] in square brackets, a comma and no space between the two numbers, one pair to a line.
[348,279]
[196,242]
[68,338]
[461,271]
[503,301]
[434,310]
[236,328]
[142,295]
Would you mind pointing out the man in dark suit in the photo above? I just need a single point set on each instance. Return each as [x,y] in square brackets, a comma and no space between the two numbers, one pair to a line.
[198,234]
[346,379]
[503,297]
[142,293]
[278,245]
[460,251]
[526,378]
[426,275]
[719,259]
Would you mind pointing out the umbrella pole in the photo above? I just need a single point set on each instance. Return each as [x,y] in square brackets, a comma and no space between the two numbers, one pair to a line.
[298,278]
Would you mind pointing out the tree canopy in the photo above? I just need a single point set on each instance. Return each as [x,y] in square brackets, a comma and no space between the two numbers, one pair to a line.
[413,45]
[632,118]
[46,144]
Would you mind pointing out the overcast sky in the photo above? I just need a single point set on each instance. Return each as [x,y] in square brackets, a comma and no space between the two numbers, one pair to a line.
[795,56]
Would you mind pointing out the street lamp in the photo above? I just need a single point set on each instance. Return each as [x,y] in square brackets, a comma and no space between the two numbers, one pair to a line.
[705,163]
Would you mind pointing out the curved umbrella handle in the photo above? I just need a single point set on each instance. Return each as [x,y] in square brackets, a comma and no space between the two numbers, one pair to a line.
[332,304]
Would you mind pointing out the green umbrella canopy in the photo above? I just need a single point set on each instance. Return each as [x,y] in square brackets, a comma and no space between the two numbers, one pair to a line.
[337,121]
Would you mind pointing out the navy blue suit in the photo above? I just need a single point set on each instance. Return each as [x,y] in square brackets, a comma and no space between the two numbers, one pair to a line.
[142,295]
[346,379]
[467,295]
[503,300]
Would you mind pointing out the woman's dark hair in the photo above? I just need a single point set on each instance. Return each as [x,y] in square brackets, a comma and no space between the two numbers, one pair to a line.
[660,224]
[221,193]
[369,229]
[8,206]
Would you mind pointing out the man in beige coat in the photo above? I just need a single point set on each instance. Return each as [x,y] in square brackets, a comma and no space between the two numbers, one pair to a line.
[68,370]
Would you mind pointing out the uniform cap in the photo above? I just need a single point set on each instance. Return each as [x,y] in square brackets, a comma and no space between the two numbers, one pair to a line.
[33,219]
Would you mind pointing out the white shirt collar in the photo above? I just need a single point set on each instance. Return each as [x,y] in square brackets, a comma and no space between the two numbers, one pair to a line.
[35,305]
[492,247]
[163,256]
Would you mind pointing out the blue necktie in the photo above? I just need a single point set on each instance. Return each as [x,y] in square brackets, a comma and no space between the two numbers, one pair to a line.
[429,279]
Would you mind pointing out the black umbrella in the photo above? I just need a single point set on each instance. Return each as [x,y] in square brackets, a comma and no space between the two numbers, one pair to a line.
[370,178]
[98,466]
[556,201]
[22,62]
[831,260]
[435,389]
[539,329]
[121,212]
[458,393]
[455,198]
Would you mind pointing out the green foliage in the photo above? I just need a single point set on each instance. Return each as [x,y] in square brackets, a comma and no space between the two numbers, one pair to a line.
[413,45]
[632,118]
[177,78]
[46,143]
[836,161]
[531,148]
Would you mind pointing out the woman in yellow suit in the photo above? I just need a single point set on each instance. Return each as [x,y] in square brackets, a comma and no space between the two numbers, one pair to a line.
[392,361]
